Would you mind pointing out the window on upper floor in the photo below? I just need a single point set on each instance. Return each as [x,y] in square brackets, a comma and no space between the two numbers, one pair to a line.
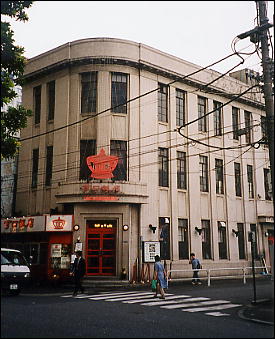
[181,170]
[180,107]
[51,99]
[163,103]
[250,181]
[88,92]
[119,93]
[35,160]
[49,166]
[37,103]
[119,149]
[203,173]
[264,129]
[267,184]
[163,159]
[238,182]
[87,148]
[217,118]
[235,122]
[248,126]
[202,106]
[219,176]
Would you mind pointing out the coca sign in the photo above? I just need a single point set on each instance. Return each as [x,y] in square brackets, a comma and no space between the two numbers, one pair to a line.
[102,165]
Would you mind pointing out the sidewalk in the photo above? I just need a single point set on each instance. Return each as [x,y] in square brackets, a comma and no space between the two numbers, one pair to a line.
[261,312]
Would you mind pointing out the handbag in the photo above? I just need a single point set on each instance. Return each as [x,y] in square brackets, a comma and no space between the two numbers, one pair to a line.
[154,285]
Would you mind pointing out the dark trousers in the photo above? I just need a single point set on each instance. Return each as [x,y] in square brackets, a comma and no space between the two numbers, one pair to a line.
[78,284]
[196,277]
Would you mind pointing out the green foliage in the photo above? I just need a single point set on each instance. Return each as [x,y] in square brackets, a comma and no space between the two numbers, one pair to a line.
[12,69]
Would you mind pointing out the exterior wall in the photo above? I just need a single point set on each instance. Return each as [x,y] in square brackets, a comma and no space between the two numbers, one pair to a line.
[142,201]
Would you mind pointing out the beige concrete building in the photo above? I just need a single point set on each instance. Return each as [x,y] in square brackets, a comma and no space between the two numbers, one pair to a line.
[202,190]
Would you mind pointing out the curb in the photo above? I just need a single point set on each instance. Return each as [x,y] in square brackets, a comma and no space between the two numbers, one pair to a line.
[242,316]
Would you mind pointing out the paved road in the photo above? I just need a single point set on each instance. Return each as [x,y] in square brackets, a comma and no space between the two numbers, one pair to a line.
[187,312]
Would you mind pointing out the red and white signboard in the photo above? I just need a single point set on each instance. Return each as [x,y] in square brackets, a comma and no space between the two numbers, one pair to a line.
[59,223]
[23,224]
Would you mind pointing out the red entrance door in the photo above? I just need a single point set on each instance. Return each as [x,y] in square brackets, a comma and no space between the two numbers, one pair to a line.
[101,247]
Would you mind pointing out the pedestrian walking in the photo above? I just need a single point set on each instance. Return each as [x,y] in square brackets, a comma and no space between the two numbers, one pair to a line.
[160,276]
[78,272]
[195,265]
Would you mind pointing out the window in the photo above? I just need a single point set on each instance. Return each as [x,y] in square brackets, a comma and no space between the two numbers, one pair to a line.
[183,238]
[88,92]
[35,159]
[217,118]
[248,127]
[180,107]
[164,226]
[264,127]
[87,148]
[51,99]
[267,184]
[37,104]
[253,228]
[238,188]
[49,165]
[202,111]
[163,167]
[203,173]
[119,93]
[162,103]
[222,240]
[235,122]
[181,170]
[119,148]
[250,181]
[219,176]
[206,239]
[240,229]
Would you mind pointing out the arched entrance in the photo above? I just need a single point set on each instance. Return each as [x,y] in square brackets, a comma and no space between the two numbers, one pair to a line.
[101,247]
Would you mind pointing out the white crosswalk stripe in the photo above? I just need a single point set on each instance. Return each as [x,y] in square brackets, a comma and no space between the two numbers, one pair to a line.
[184,302]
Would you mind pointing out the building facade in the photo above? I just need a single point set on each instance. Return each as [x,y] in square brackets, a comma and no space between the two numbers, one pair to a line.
[121,140]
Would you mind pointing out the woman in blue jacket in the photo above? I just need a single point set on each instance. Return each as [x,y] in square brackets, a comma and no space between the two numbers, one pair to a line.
[160,276]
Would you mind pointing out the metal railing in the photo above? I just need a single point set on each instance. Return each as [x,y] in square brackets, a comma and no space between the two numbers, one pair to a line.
[209,270]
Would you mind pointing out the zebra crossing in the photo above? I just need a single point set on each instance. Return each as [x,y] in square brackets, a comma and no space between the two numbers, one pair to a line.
[186,303]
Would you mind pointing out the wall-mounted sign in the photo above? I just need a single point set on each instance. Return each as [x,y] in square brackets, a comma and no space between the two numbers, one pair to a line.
[59,223]
[23,224]
[150,249]
[102,165]
[100,189]
[56,250]
[100,198]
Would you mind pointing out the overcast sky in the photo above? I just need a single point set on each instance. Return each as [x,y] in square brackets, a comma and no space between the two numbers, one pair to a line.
[200,32]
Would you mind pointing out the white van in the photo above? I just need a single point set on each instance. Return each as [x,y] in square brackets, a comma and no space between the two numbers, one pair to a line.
[15,272]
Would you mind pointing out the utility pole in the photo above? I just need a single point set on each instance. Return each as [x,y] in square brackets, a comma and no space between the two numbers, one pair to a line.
[267,75]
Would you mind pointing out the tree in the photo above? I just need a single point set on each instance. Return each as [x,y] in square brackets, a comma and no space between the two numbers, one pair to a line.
[12,69]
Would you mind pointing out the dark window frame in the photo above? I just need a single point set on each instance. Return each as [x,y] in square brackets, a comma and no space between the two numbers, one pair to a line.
[241,243]
[180,107]
[219,176]
[206,239]
[119,89]
[267,184]
[164,238]
[49,166]
[183,239]
[51,99]
[204,174]
[162,102]
[238,180]
[250,181]
[35,166]
[37,92]
[88,92]
[181,170]
[248,129]
[218,117]
[119,149]
[163,158]
[222,240]
[202,107]
[86,148]
[235,122]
